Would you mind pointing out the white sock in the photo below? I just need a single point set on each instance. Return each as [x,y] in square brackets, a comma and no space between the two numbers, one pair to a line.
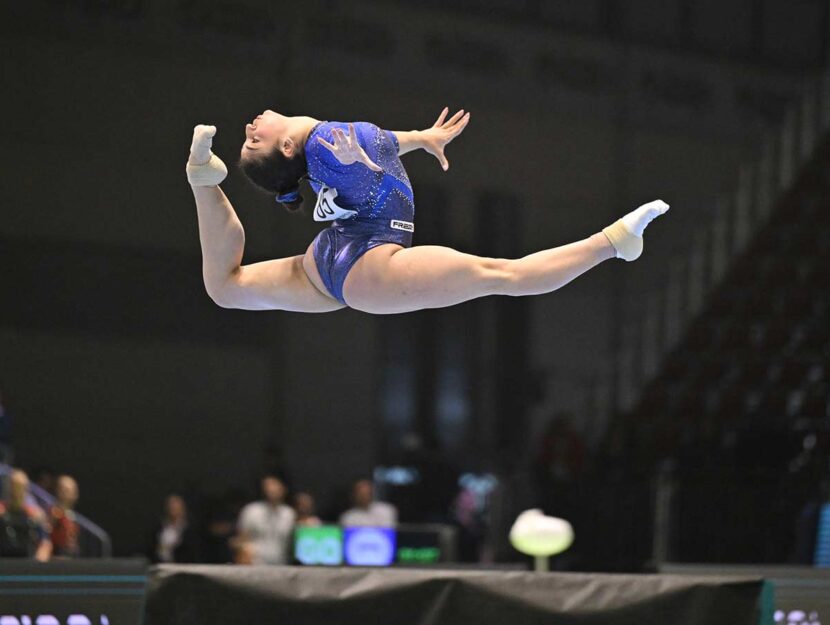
[201,144]
[204,168]
[626,234]
[637,220]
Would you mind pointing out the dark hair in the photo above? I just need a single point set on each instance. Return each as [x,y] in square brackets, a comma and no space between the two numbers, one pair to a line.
[277,174]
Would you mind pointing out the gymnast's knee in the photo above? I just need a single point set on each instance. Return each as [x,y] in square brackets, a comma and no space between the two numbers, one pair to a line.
[496,275]
[220,295]
[223,291]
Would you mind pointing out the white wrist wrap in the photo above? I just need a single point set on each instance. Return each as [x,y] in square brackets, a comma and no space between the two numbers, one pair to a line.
[207,175]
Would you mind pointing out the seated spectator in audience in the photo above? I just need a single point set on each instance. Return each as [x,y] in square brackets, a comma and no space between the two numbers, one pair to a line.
[265,526]
[304,507]
[24,532]
[65,530]
[175,539]
[367,512]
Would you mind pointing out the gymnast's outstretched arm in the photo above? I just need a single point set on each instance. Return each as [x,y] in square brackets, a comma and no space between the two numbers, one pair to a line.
[280,284]
[433,139]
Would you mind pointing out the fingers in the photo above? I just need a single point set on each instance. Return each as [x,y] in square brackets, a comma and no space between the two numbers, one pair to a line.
[454,119]
[347,149]
[441,117]
[449,123]
[445,164]
[340,146]
[327,145]
[340,138]
[456,130]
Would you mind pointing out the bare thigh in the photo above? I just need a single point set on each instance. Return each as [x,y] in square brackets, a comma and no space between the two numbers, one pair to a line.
[392,279]
[278,284]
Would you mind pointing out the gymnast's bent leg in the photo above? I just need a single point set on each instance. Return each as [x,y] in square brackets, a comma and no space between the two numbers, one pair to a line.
[391,279]
[275,284]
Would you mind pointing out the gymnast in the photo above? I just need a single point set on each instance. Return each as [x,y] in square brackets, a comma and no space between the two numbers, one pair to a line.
[364,259]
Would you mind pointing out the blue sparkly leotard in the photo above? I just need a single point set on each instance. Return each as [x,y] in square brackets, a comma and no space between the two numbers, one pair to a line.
[381,204]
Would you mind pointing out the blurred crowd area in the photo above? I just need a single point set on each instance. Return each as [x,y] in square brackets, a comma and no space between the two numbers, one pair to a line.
[733,500]
[38,520]
[45,526]
[30,529]
[743,496]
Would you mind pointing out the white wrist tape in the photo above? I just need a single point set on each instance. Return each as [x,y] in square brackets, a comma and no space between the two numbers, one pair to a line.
[207,175]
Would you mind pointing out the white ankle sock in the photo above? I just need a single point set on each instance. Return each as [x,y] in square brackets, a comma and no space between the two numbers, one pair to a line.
[204,168]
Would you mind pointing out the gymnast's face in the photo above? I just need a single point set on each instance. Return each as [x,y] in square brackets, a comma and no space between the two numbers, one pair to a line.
[267,131]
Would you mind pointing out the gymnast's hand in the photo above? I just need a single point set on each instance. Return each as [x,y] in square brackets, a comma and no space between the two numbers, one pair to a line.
[442,132]
[204,168]
[347,150]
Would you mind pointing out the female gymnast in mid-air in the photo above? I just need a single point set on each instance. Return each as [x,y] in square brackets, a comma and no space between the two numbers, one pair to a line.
[364,259]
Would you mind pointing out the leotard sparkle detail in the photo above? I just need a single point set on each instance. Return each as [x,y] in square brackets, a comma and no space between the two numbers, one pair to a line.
[383,201]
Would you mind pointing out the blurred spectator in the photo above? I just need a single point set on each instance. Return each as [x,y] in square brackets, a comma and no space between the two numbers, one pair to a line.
[305,509]
[466,515]
[175,539]
[23,528]
[6,456]
[265,526]
[65,530]
[365,511]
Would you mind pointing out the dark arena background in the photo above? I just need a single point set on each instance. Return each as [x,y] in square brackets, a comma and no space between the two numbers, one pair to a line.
[673,411]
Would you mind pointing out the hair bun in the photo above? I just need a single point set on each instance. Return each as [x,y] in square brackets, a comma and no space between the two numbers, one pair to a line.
[277,175]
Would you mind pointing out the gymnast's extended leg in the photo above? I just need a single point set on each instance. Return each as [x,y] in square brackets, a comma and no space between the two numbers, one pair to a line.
[275,284]
[391,279]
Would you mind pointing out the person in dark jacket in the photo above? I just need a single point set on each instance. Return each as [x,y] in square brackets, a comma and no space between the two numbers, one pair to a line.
[175,538]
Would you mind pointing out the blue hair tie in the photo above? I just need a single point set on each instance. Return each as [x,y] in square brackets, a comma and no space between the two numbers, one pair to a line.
[288,197]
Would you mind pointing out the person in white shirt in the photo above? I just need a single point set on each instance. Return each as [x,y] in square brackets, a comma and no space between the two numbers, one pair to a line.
[265,526]
[365,511]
